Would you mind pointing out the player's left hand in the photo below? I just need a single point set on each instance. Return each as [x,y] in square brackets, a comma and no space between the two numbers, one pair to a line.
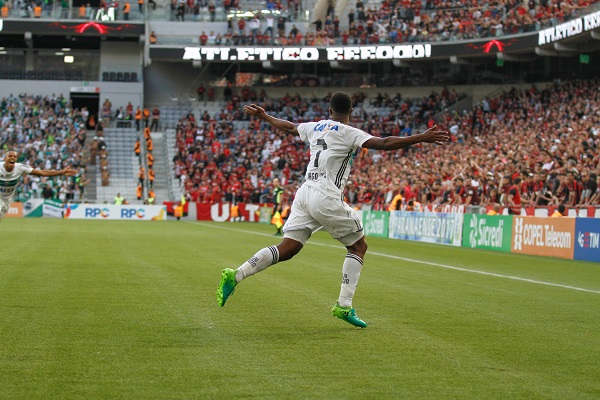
[68,171]
[433,135]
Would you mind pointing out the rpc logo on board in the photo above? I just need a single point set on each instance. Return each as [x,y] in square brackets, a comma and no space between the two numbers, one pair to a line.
[95,212]
[128,213]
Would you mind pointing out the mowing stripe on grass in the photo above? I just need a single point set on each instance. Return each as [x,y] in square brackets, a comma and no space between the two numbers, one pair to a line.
[433,264]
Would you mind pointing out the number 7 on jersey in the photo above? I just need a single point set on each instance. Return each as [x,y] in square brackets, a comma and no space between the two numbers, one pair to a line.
[320,142]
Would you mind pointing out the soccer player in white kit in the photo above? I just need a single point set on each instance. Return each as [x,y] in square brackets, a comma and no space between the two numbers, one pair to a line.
[10,174]
[319,201]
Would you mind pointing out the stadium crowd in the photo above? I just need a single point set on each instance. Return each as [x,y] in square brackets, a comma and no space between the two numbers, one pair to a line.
[215,160]
[536,147]
[47,133]
[388,22]
[432,20]
[397,22]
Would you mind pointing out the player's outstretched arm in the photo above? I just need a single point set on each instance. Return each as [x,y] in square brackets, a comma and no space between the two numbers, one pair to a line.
[260,113]
[431,135]
[68,171]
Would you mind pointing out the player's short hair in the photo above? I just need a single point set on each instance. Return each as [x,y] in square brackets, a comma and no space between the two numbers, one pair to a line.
[340,103]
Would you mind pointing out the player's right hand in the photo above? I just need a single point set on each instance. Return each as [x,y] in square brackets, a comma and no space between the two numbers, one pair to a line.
[255,111]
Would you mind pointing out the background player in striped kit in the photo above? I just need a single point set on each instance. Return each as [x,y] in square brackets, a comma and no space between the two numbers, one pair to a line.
[10,174]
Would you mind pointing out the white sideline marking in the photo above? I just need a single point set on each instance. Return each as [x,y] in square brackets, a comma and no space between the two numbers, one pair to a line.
[473,271]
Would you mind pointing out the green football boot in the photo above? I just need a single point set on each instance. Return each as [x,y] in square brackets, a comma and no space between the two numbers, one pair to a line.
[348,314]
[226,286]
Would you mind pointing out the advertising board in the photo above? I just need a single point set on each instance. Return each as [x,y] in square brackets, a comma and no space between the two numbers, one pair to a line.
[551,237]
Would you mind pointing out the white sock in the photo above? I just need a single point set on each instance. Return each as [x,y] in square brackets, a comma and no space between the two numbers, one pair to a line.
[261,261]
[350,275]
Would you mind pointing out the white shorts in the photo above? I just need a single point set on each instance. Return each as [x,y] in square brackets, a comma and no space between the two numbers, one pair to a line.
[4,206]
[312,210]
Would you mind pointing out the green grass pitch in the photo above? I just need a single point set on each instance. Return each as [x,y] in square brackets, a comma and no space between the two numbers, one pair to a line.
[127,310]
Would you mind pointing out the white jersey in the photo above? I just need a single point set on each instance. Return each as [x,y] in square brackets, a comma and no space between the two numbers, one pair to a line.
[10,180]
[332,149]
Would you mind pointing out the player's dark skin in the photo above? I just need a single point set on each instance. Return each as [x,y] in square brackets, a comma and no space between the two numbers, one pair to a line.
[10,160]
[288,248]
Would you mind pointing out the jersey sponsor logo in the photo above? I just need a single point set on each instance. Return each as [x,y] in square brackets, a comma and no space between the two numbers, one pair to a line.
[326,127]
[12,182]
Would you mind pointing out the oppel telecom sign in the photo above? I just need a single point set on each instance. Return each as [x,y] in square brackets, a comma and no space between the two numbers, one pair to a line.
[551,237]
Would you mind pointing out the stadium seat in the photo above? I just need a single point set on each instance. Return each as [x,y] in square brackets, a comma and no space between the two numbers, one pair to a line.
[120,77]
[127,77]
[105,76]
[113,77]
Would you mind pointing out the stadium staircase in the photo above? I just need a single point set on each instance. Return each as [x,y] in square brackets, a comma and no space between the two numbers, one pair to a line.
[90,193]
[162,169]
[91,169]
[122,165]
[169,143]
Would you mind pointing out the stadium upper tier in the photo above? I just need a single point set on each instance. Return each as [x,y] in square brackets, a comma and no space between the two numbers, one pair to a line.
[287,23]
[159,10]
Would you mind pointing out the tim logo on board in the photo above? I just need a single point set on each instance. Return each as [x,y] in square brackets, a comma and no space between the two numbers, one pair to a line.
[587,239]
